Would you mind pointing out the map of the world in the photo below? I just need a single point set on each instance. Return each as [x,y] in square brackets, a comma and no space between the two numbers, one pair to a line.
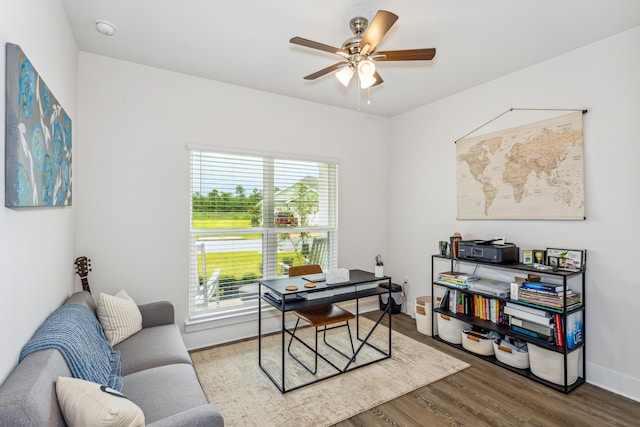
[534,171]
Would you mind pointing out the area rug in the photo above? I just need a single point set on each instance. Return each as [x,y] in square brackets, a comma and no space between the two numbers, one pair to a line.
[232,379]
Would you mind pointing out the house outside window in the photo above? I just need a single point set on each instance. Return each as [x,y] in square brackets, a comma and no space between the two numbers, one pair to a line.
[253,217]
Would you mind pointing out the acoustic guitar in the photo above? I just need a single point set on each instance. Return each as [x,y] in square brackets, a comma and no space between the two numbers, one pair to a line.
[83,267]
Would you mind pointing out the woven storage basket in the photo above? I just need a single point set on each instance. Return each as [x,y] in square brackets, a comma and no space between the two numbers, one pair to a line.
[450,329]
[508,356]
[549,365]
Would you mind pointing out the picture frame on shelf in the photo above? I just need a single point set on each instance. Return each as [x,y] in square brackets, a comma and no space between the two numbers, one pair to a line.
[527,256]
[565,259]
[539,256]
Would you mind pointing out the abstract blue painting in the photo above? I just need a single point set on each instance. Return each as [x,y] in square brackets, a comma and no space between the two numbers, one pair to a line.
[37,138]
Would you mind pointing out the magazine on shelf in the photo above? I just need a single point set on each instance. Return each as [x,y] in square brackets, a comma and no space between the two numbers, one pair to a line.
[491,287]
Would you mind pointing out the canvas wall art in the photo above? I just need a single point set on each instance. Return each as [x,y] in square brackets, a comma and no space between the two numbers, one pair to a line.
[37,138]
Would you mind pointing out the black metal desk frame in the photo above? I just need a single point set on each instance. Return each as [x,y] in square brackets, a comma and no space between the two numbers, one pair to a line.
[357,277]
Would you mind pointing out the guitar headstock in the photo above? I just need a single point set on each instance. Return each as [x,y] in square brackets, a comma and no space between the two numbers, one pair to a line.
[83,266]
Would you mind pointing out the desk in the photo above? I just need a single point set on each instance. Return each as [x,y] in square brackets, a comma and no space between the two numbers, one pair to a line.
[274,293]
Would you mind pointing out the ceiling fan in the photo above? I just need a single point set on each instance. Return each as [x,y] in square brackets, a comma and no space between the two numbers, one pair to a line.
[359,52]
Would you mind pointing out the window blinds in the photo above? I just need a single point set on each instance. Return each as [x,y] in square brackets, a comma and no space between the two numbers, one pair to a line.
[253,217]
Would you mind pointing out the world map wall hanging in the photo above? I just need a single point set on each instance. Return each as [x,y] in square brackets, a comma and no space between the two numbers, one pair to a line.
[533,171]
[37,138]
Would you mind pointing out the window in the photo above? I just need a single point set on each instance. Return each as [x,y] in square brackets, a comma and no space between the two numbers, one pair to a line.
[253,217]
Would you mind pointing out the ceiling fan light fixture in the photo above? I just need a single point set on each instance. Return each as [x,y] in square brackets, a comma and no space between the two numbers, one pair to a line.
[366,81]
[366,68]
[344,75]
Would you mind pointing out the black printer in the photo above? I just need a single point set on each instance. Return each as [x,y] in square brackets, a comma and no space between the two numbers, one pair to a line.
[488,251]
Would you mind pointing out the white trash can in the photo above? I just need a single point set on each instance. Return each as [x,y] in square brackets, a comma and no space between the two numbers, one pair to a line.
[424,315]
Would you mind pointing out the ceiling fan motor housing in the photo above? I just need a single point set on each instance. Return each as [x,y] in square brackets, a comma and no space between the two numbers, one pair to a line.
[358,25]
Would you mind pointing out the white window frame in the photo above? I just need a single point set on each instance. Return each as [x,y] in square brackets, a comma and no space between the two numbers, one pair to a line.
[269,233]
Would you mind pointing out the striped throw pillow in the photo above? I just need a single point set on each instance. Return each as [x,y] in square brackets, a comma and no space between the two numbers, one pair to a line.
[119,316]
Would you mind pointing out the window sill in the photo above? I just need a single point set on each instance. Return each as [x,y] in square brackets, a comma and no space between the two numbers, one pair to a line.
[222,320]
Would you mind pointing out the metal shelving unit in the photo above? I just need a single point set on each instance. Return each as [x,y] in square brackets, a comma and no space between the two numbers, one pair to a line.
[564,276]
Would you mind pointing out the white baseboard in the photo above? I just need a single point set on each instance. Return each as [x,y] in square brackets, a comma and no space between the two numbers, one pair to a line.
[615,382]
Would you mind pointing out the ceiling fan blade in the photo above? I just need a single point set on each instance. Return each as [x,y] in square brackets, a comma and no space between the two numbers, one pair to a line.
[324,71]
[315,45]
[405,55]
[378,79]
[381,23]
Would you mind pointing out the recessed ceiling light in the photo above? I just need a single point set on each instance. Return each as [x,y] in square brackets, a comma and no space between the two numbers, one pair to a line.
[105,27]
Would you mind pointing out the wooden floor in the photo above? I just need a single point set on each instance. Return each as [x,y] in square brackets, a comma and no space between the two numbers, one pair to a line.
[487,395]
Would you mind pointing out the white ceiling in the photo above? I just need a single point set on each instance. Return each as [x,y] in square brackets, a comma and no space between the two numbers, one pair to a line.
[246,42]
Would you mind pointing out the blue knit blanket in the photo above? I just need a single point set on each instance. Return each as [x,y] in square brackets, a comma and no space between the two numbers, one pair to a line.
[74,330]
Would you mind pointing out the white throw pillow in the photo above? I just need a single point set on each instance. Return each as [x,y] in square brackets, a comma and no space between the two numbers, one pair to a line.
[84,403]
[119,316]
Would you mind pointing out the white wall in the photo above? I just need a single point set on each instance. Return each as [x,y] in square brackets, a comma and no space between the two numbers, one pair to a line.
[605,79]
[133,170]
[37,246]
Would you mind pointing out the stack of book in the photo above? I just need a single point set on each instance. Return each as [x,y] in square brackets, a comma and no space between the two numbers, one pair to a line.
[532,322]
[549,295]
[456,279]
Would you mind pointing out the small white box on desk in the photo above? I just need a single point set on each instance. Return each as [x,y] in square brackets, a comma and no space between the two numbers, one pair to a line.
[337,275]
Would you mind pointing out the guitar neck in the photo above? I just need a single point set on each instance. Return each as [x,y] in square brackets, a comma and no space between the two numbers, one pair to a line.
[85,284]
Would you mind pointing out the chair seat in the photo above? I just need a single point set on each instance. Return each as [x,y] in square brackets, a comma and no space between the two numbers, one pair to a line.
[324,315]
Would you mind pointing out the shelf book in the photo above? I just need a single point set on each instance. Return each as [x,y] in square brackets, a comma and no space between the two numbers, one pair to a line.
[483,307]
[575,330]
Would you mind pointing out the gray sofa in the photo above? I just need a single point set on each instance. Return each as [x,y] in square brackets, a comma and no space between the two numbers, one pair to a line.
[157,374]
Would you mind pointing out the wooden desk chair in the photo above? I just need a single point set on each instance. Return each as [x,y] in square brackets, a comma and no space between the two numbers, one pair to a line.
[320,317]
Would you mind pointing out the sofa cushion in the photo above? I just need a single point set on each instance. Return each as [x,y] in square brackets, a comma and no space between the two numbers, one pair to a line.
[179,386]
[119,316]
[84,403]
[151,347]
